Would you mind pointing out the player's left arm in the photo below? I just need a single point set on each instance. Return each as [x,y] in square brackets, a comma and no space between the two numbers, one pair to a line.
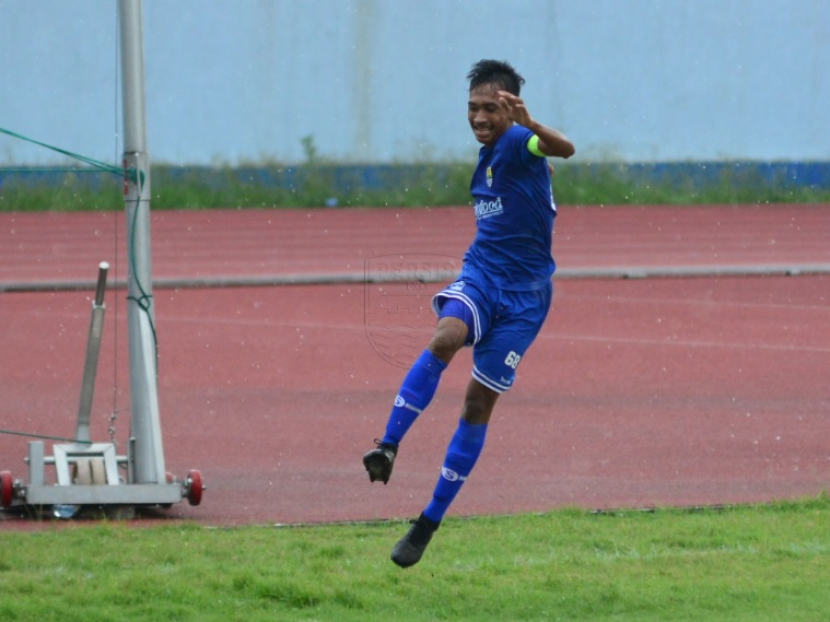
[551,142]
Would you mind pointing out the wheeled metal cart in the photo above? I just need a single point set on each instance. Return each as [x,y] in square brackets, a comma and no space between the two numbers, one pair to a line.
[93,474]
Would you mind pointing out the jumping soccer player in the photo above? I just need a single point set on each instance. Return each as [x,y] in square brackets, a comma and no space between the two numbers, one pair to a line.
[501,297]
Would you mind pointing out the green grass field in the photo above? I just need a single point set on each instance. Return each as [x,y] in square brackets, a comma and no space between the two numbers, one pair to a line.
[767,562]
[313,184]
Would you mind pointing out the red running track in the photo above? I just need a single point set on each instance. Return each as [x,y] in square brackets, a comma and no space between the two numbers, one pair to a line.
[638,392]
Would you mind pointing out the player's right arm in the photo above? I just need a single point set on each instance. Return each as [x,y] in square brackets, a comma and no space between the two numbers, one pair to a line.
[551,142]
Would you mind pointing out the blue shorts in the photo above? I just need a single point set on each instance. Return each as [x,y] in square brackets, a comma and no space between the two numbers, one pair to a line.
[502,325]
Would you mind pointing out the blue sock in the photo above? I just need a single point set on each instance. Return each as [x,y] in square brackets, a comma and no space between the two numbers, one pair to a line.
[416,393]
[464,450]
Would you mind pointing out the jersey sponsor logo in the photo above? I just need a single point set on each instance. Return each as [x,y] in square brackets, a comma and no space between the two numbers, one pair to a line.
[488,209]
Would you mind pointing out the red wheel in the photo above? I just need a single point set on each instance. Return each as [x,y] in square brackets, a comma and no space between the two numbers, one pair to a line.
[6,489]
[194,487]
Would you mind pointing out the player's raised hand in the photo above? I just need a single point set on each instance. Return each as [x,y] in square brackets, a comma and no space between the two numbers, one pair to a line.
[552,142]
[515,107]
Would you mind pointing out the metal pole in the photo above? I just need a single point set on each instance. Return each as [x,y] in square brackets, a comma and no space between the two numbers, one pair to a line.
[145,426]
[93,348]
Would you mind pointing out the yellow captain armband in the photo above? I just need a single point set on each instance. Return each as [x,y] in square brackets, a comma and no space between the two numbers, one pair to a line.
[533,146]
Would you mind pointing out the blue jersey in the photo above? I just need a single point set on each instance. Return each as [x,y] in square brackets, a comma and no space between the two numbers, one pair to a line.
[514,212]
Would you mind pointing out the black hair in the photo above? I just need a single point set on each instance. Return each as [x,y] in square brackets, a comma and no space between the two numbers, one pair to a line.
[496,72]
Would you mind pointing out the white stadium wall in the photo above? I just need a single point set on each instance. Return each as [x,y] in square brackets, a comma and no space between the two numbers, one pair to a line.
[380,81]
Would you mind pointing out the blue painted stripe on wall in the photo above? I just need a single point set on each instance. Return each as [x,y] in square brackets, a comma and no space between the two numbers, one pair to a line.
[379,176]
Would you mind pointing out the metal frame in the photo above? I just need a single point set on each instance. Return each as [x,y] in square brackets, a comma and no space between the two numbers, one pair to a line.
[146,482]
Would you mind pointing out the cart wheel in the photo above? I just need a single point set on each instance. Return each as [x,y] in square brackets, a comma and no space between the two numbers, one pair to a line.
[6,489]
[194,487]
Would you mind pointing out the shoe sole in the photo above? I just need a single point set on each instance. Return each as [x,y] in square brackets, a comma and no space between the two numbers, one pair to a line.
[378,467]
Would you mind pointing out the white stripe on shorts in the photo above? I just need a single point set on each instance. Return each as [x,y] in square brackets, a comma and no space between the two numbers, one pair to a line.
[488,382]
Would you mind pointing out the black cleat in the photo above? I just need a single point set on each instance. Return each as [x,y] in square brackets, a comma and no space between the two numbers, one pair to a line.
[411,547]
[379,461]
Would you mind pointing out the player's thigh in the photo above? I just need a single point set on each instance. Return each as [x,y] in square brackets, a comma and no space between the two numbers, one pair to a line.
[497,356]
[477,304]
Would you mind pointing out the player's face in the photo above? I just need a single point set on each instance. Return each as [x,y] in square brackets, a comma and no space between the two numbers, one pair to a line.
[487,117]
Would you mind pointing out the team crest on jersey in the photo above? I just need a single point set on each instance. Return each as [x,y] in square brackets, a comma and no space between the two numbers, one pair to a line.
[489,176]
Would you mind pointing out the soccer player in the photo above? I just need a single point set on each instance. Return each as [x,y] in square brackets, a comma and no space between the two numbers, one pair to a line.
[501,297]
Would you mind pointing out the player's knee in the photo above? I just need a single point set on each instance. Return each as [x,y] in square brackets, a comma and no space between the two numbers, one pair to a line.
[448,339]
[476,412]
[478,403]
